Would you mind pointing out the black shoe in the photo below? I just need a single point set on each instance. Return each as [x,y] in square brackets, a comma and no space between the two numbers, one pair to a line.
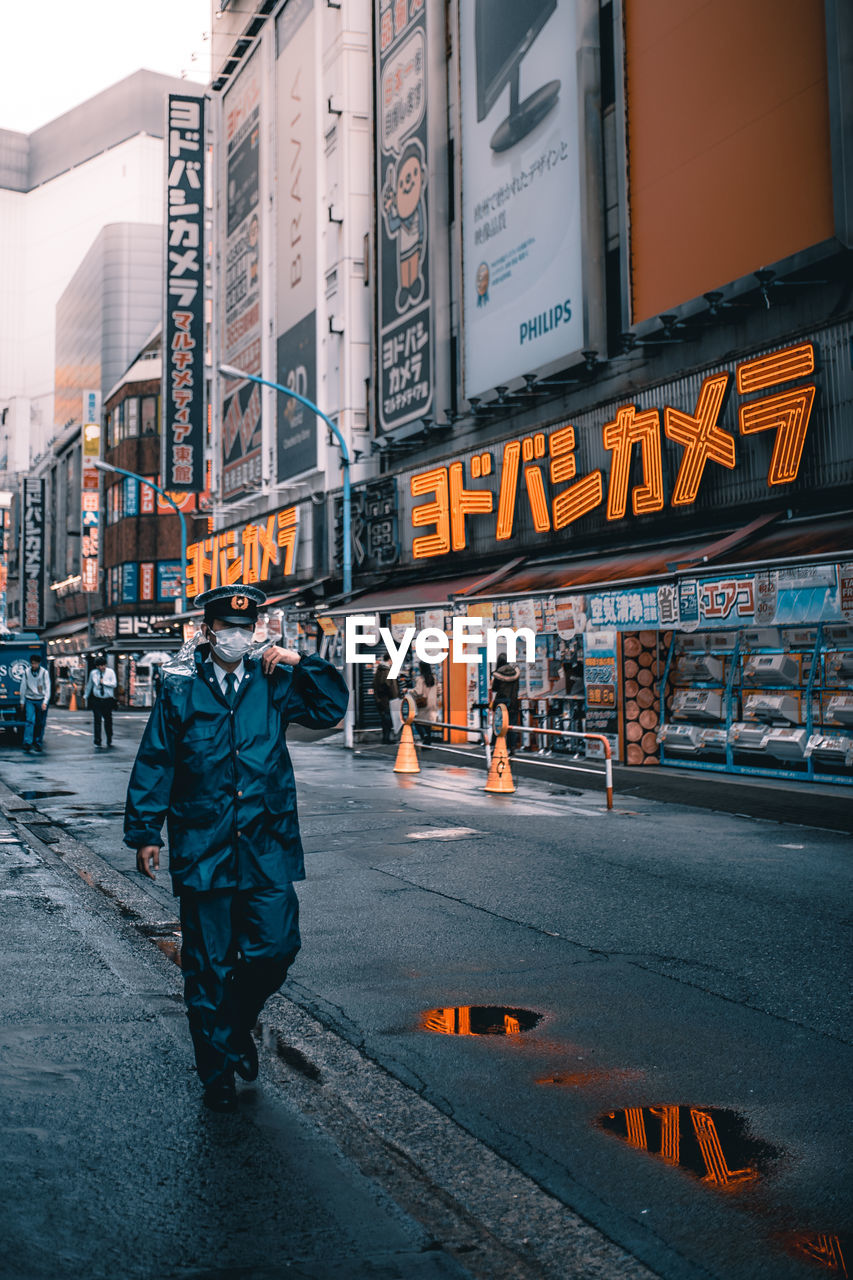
[247,1064]
[28,750]
[38,748]
[221,1095]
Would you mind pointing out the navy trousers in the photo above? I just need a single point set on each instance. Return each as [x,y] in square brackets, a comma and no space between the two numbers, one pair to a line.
[236,949]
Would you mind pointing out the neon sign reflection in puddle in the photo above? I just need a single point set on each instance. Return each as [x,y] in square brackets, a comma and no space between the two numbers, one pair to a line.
[479,1020]
[710,1143]
[827,1251]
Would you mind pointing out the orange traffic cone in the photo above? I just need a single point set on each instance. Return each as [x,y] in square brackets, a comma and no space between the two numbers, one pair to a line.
[499,781]
[72,701]
[407,756]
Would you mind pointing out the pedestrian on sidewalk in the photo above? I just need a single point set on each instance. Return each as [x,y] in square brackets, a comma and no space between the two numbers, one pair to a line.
[213,763]
[505,687]
[385,691]
[35,696]
[425,692]
[100,693]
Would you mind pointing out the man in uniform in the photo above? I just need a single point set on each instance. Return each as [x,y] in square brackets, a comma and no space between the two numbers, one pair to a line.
[214,763]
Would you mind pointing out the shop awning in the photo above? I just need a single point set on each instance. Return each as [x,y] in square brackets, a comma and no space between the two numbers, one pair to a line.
[294,593]
[421,595]
[753,545]
[61,630]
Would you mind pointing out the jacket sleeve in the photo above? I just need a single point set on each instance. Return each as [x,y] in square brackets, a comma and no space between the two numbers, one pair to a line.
[318,695]
[150,785]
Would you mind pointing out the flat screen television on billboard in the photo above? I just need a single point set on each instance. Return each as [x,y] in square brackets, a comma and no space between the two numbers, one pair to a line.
[504,31]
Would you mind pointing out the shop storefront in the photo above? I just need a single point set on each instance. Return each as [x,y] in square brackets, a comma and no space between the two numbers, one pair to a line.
[136,648]
[696,602]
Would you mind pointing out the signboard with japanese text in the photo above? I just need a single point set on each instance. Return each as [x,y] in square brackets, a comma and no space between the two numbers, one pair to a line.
[254,552]
[184,420]
[129,575]
[404,313]
[168,579]
[297,141]
[522,244]
[91,406]
[747,434]
[601,688]
[32,555]
[241,320]
[374,526]
[90,507]
[770,597]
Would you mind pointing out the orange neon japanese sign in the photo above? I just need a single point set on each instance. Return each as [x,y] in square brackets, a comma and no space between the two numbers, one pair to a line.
[631,435]
[254,552]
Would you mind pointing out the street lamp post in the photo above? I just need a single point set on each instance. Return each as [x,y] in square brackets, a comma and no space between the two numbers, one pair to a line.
[108,466]
[228,371]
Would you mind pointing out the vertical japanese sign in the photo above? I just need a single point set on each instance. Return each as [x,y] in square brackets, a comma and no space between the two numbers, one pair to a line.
[403,304]
[90,509]
[241,328]
[601,685]
[183,326]
[296,142]
[32,555]
[522,247]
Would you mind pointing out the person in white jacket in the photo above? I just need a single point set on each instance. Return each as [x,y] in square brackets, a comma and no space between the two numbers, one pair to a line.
[101,692]
[35,696]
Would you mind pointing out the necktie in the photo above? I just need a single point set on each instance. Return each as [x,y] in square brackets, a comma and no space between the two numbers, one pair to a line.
[230,687]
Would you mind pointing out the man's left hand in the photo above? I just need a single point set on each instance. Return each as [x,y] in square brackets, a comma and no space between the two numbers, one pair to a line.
[274,655]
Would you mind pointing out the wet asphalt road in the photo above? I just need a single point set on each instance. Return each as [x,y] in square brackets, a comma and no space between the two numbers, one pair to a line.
[691,970]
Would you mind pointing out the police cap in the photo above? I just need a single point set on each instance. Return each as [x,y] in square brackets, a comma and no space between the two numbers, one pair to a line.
[237,604]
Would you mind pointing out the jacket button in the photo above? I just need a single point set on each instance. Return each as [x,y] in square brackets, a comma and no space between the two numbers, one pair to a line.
[239,794]
[239,833]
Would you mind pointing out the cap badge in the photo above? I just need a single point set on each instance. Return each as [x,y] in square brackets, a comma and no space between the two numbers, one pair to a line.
[239,602]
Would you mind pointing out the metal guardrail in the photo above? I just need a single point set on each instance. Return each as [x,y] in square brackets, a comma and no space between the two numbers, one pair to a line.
[460,728]
[590,737]
[505,728]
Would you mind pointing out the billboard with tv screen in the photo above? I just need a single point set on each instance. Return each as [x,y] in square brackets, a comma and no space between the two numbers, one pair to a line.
[522,260]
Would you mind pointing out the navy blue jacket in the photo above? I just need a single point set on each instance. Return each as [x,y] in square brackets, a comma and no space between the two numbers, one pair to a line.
[222,776]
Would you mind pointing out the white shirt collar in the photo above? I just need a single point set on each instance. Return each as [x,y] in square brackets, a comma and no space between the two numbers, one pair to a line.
[221,673]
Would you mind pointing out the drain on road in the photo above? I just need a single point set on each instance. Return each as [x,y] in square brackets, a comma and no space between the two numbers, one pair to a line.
[710,1143]
[479,1020]
[43,795]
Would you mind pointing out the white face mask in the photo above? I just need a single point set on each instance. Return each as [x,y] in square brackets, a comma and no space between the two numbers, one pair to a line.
[232,643]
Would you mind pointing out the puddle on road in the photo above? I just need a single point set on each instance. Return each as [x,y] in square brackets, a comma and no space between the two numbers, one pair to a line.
[444,833]
[831,1252]
[710,1143]
[168,941]
[479,1020]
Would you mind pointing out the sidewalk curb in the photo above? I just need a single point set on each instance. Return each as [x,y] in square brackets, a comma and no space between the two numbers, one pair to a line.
[493,1219]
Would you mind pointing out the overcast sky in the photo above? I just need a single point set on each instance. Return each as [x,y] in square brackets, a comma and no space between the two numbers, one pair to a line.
[58,53]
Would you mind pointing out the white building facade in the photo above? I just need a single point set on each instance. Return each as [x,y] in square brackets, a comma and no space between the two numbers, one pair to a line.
[292,208]
[100,163]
